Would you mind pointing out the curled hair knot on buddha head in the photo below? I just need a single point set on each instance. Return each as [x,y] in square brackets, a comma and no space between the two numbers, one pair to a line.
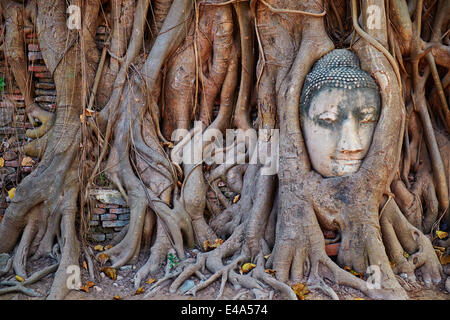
[339,68]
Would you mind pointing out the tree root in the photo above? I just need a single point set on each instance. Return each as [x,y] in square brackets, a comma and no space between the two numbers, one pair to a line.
[16,286]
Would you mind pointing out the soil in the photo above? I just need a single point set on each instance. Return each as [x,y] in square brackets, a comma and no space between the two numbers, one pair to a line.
[106,288]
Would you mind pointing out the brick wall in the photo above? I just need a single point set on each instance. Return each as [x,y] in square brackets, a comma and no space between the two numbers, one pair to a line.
[110,213]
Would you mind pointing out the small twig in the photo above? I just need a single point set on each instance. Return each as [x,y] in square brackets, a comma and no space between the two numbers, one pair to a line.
[376,44]
[281,10]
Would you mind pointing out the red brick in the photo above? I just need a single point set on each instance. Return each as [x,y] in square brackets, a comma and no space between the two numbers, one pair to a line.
[33,47]
[46,75]
[16,97]
[108,217]
[102,205]
[6,104]
[99,210]
[50,99]
[119,210]
[34,55]
[9,156]
[38,68]
[31,35]
[12,163]
[45,85]
[332,249]
[27,169]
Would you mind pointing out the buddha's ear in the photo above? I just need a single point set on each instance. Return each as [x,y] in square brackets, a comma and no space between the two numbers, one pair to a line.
[384,154]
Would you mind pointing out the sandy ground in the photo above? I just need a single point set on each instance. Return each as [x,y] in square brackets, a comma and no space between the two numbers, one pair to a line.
[106,289]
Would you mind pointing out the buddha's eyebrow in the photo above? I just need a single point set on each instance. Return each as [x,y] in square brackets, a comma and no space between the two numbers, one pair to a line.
[370,109]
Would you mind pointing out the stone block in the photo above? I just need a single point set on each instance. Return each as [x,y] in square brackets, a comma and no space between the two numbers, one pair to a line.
[114,224]
[108,217]
[108,196]
[124,216]
[99,237]
[119,210]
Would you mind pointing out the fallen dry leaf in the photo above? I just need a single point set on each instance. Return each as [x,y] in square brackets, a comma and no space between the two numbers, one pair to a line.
[109,246]
[103,258]
[207,245]
[98,247]
[110,272]
[442,249]
[140,290]
[27,162]
[358,298]
[12,193]
[2,162]
[441,234]
[353,272]
[87,286]
[89,112]
[270,271]
[236,199]
[445,259]
[117,297]
[150,281]
[20,279]
[301,290]
[247,267]
[85,265]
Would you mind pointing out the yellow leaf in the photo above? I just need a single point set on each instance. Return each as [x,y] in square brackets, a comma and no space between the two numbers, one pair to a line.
[441,234]
[270,271]
[98,247]
[103,258]
[85,265]
[267,256]
[406,255]
[301,290]
[82,118]
[442,249]
[247,267]
[140,290]
[207,245]
[236,199]
[27,162]
[12,193]
[150,281]
[89,112]
[117,297]
[2,162]
[445,259]
[87,286]
[20,279]
[110,272]
[358,298]
[109,246]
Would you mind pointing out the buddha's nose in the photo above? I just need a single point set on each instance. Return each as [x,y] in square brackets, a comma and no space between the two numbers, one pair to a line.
[349,141]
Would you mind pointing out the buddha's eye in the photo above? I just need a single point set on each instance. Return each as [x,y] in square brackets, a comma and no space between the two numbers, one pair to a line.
[328,117]
[368,115]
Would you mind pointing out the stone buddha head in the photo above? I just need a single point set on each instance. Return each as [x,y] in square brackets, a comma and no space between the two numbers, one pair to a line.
[339,110]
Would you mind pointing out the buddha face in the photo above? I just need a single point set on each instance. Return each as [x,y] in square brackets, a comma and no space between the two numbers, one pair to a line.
[338,126]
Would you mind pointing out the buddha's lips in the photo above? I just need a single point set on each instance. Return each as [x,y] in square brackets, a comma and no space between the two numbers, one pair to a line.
[348,162]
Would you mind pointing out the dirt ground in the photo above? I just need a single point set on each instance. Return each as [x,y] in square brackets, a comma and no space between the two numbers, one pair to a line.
[123,287]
